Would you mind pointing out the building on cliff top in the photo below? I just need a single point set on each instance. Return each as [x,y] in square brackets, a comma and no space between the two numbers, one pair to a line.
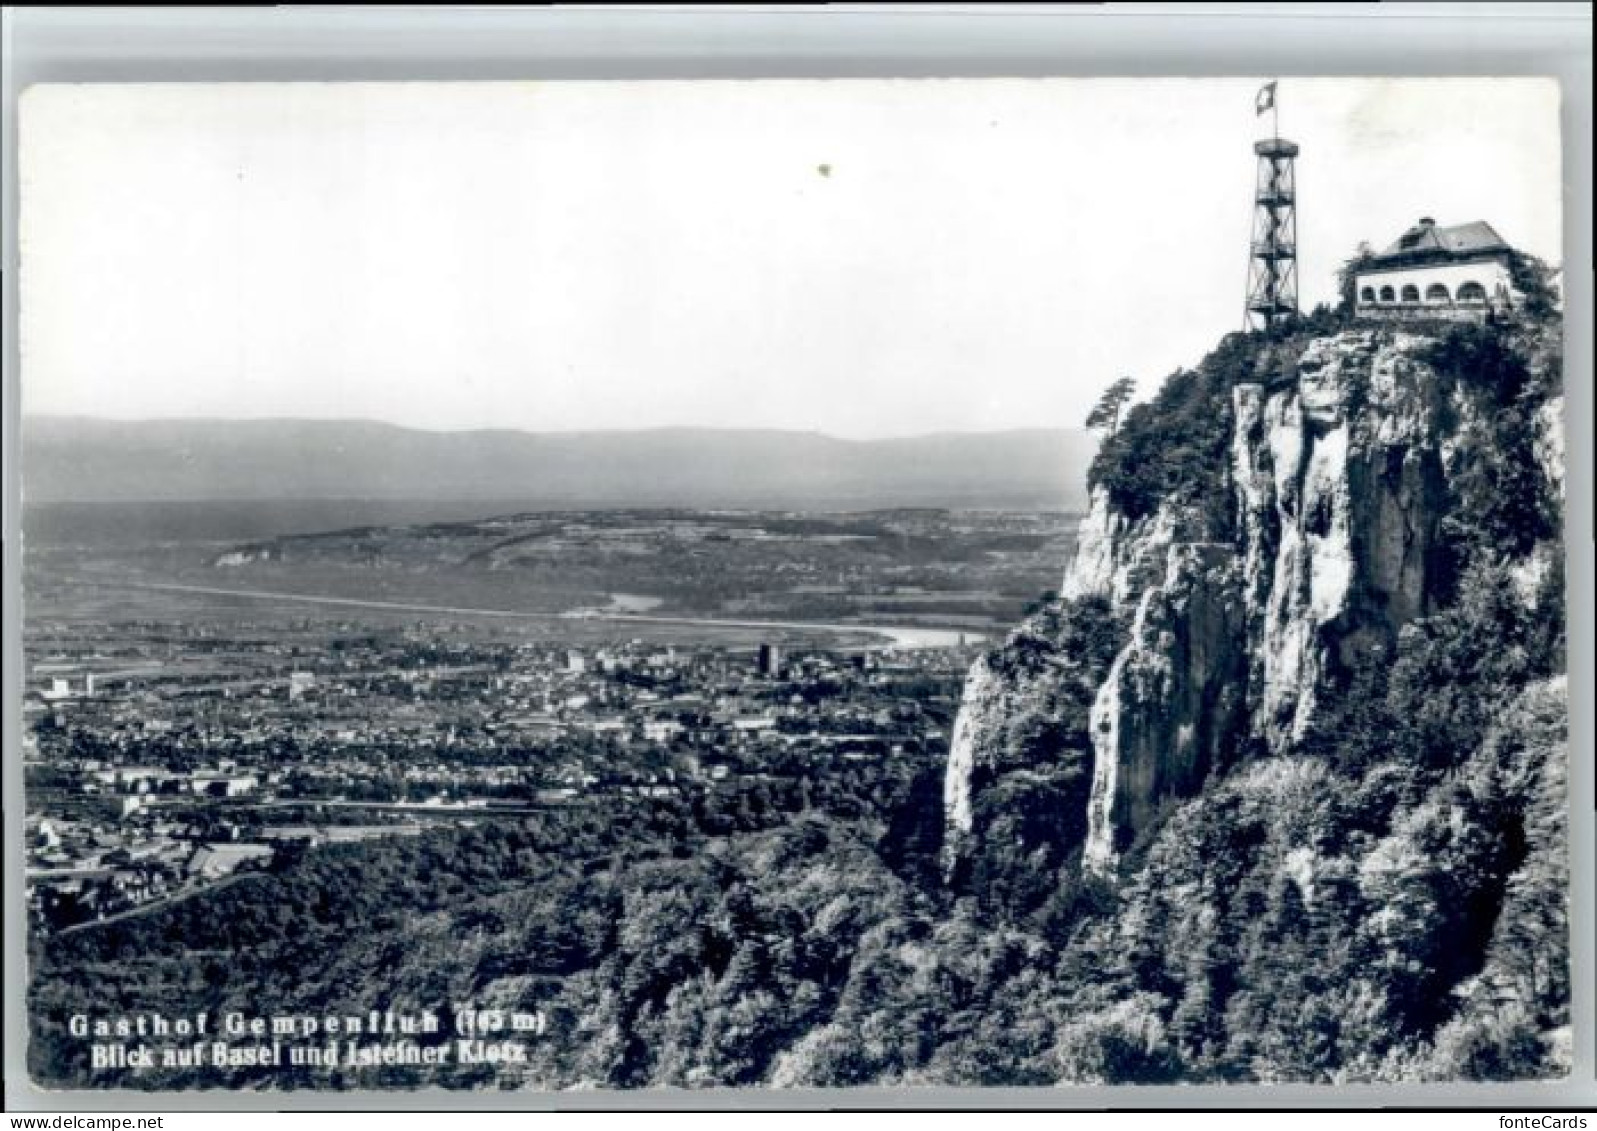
[1458,272]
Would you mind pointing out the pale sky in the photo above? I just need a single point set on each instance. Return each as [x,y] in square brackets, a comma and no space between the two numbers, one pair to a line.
[864,258]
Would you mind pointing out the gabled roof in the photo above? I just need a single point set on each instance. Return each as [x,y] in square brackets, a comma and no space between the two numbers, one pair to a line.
[1426,240]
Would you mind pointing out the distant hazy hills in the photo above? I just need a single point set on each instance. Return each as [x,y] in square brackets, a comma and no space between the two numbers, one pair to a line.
[83,459]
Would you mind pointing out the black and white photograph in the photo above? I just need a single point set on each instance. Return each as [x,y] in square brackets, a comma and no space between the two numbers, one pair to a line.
[569,586]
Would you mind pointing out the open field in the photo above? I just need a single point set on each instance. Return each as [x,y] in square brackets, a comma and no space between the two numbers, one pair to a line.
[672,570]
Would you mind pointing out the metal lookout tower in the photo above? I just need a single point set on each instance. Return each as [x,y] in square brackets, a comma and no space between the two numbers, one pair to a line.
[1273,251]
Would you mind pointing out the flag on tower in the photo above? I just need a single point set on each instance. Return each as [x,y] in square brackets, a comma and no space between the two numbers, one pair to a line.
[1265,99]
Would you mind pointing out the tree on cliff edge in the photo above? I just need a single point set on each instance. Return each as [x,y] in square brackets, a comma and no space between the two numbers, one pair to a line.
[1105,414]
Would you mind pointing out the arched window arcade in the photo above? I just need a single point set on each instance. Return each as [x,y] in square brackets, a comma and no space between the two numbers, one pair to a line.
[1436,294]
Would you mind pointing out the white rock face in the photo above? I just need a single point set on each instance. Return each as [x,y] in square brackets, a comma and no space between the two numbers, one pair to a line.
[1114,558]
[1334,476]
[1091,570]
[980,700]
[1255,489]
[1098,853]
[1295,479]
[1337,467]
[1171,698]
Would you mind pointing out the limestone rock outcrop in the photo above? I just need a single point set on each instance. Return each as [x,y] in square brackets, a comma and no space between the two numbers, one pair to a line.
[1233,631]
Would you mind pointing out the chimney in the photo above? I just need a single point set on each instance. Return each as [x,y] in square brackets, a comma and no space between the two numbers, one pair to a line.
[1427,222]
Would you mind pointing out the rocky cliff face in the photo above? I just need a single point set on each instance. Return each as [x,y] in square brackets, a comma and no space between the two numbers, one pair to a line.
[1167,712]
[1340,480]
[1233,623]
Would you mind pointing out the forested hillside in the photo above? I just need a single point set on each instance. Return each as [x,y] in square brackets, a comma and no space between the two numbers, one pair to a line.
[1274,789]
